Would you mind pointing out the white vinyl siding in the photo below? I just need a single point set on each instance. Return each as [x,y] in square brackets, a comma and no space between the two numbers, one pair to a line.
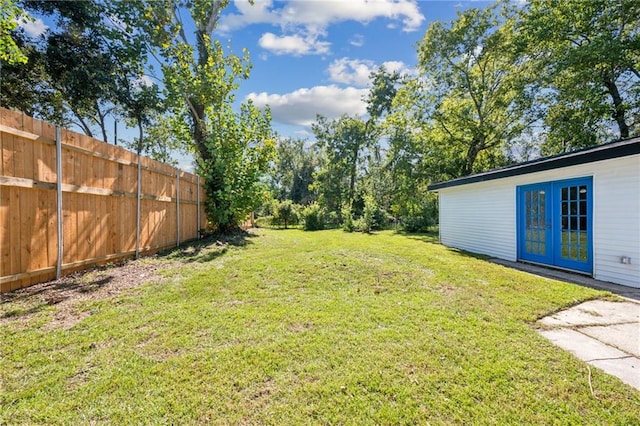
[480,220]
[481,217]
[616,226]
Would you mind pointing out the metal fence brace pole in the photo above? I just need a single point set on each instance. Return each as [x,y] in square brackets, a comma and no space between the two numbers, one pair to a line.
[59,201]
[138,202]
[198,213]
[177,208]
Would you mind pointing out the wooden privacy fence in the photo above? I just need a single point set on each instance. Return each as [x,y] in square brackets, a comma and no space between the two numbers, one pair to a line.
[68,201]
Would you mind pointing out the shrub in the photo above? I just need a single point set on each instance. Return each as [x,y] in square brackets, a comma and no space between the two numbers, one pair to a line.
[416,223]
[331,219]
[420,215]
[382,219]
[313,217]
[367,222]
[347,219]
[284,213]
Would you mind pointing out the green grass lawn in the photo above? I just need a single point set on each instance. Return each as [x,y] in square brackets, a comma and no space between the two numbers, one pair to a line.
[310,328]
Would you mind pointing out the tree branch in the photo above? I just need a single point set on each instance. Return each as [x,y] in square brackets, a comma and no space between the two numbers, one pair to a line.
[213,16]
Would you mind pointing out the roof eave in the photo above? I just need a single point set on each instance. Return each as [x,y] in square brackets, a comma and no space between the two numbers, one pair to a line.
[589,155]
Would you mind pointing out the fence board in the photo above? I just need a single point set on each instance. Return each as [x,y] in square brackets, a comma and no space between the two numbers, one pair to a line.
[5,236]
[99,184]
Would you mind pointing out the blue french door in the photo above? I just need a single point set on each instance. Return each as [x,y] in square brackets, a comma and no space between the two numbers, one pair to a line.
[555,223]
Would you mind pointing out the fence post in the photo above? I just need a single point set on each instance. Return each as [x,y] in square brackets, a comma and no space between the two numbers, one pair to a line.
[138,196]
[198,202]
[59,201]
[177,207]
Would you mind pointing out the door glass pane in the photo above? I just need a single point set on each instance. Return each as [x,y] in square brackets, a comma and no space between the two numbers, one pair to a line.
[573,210]
[535,222]
[573,225]
[583,253]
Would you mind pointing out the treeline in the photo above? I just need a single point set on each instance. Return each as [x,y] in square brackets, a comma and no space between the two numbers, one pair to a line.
[495,86]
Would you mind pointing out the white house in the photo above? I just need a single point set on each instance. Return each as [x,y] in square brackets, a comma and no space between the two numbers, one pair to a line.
[578,211]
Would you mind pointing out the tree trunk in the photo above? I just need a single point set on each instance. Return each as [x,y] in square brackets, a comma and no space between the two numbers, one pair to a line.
[619,109]
[85,126]
[197,110]
[197,114]
[101,123]
[352,174]
[477,145]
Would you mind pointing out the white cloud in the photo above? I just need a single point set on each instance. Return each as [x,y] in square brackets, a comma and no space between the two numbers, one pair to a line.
[356,71]
[257,13]
[351,71]
[33,28]
[357,40]
[146,81]
[293,44]
[318,14]
[301,106]
[398,66]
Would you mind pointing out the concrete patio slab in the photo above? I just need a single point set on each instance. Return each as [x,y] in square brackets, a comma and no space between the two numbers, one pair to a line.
[625,369]
[602,333]
[582,346]
[621,336]
[595,312]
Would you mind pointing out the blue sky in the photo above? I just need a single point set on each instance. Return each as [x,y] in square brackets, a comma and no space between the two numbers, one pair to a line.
[314,56]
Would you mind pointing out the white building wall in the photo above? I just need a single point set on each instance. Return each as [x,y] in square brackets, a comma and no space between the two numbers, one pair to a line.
[481,217]
[616,196]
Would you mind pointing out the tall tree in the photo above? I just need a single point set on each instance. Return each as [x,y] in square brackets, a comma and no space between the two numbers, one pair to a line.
[473,89]
[292,175]
[343,141]
[73,73]
[232,149]
[589,55]
[351,144]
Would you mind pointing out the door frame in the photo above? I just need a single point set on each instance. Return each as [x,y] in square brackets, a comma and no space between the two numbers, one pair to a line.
[553,222]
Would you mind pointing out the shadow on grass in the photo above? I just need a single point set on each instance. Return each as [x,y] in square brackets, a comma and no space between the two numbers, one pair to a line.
[427,237]
[432,237]
[208,248]
[87,283]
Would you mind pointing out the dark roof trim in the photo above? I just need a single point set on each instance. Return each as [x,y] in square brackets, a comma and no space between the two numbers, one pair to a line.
[589,155]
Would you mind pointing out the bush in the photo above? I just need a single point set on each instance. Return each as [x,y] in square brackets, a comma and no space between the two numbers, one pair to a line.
[284,213]
[347,219]
[416,223]
[313,217]
[420,215]
[332,219]
[367,222]
[382,219]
